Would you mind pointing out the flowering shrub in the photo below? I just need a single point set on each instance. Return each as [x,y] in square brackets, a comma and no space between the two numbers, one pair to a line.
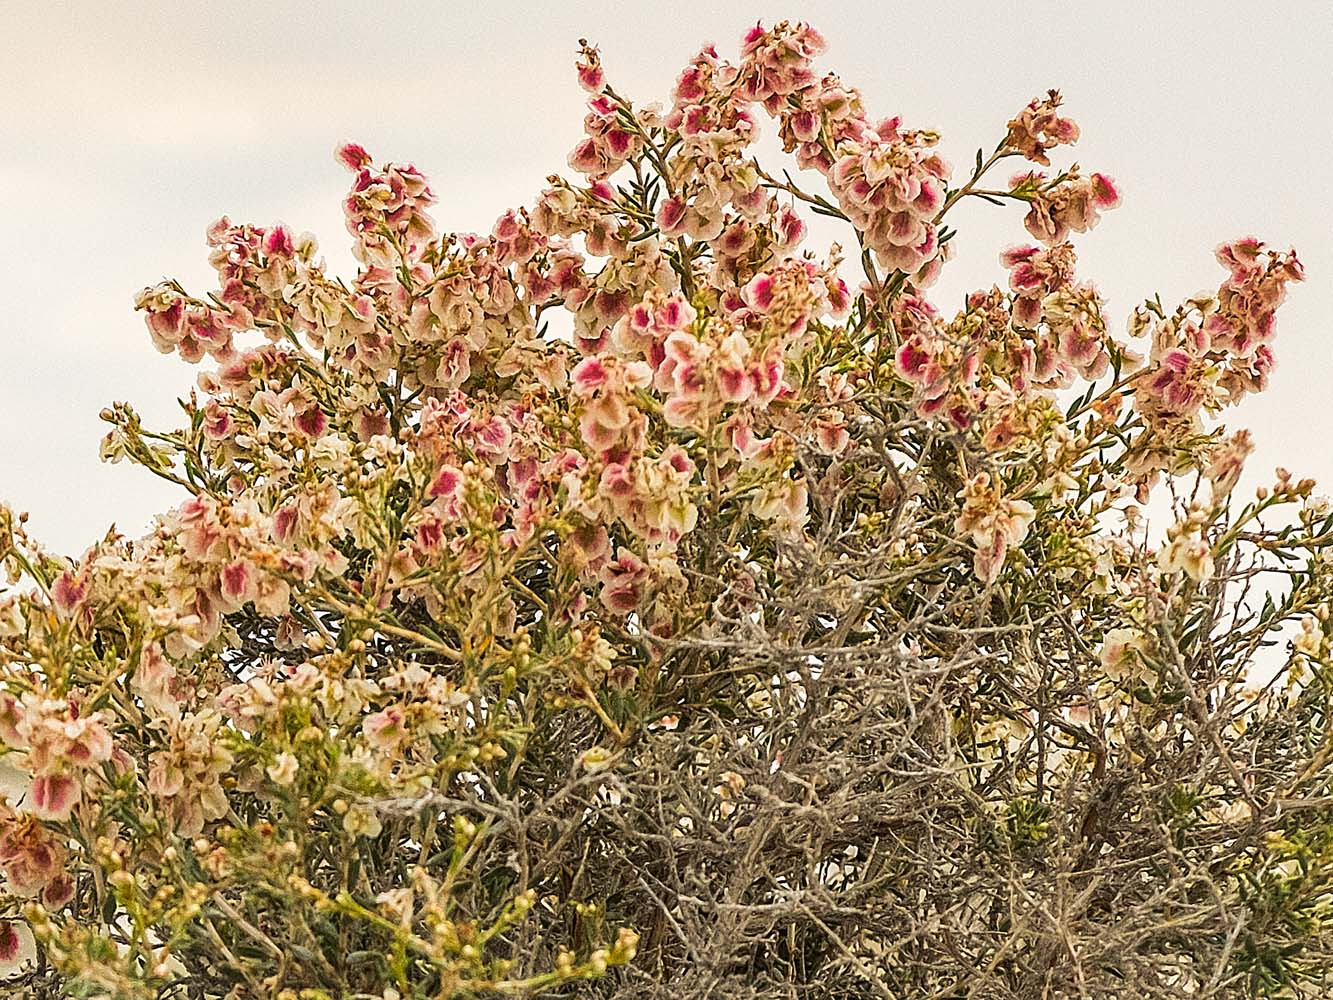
[770,633]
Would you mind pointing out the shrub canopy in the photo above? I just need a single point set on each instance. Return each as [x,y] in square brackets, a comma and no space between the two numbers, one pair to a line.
[762,631]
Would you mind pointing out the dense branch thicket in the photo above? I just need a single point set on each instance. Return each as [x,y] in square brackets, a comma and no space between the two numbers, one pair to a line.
[772,634]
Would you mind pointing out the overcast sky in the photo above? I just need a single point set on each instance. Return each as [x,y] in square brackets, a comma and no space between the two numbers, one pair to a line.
[126,128]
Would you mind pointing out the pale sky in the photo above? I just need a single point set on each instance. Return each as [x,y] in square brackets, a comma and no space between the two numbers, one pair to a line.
[126,128]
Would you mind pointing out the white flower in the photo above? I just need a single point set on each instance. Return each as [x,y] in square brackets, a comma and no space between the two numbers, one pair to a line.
[361,821]
[283,770]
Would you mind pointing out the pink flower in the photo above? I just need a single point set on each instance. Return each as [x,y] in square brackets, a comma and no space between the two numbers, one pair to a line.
[790,228]
[278,242]
[589,66]
[311,422]
[912,361]
[384,729]
[58,892]
[785,502]
[734,384]
[371,423]
[1247,301]
[284,522]
[239,582]
[588,376]
[1105,195]
[1227,462]
[32,856]
[591,546]
[448,483]
[1037,128]
[217,421]
[1082,346]
[54,796]
[68,591]
[994,523]
[623,581]
[831,432]
[11,714]
[671,216]
[62,746]
[1181,383]
[352,156]
[1075,204]
[777,63]
[1034,275]
[11,947]
[758,294]
[616,481]
[156,681]
[185,775]
[491,439]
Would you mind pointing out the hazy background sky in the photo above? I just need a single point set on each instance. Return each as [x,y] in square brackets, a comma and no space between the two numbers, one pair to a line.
[126,128]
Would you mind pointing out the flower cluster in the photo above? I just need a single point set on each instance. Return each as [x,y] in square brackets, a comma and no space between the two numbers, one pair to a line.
[33,859]
[1212,351]
[385,211]
[1039,128]
[994,523]
[1064,204]
[1001,360]
[61,749]
[888,181]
